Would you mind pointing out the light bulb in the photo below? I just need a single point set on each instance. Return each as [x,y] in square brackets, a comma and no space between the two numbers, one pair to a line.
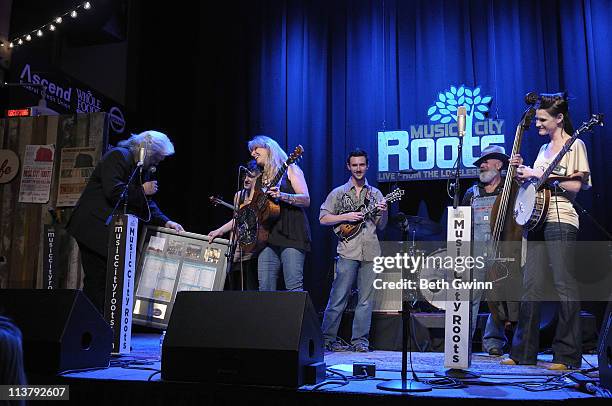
[28,37]
[39,33]
[51,27]
[73,14]
[87,5]
[58,20]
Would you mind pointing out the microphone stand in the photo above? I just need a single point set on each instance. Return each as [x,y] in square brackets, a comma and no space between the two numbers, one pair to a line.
[404,384]
[233,241]
[124,195]
[458,173]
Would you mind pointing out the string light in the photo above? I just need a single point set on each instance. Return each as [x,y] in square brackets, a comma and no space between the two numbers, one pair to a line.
[51,26]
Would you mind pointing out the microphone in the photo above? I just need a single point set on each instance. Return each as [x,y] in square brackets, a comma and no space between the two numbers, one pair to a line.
[151,174]
[244,168]
[461,117]
[142,154]
[531,98]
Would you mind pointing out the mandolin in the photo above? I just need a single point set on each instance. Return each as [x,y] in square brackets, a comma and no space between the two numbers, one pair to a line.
[348,231]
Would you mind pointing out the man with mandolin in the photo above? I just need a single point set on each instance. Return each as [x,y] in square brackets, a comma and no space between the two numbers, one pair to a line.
[551,240]
[362,207]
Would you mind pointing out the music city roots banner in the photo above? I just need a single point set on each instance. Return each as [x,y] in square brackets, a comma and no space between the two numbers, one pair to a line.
[429,151]
[120,275]
[36,174]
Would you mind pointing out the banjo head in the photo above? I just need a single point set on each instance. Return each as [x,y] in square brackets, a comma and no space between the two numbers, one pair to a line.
[525,203]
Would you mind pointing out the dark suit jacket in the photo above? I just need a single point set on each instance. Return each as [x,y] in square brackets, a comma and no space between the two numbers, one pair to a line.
[87,223]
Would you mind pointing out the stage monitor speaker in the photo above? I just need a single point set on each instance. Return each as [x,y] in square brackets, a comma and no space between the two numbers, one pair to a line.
[61,329]
[605,350]
[259,338]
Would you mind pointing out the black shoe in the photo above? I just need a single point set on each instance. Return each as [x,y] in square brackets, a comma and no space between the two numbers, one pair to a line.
[337,346]
[497,352]
[361,347]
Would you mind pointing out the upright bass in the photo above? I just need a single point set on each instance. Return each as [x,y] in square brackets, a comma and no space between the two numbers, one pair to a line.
[506,235]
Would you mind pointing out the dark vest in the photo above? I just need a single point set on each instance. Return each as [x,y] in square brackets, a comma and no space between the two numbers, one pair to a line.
[292,229]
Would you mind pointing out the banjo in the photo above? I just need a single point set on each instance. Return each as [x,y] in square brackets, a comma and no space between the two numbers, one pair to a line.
[532,200]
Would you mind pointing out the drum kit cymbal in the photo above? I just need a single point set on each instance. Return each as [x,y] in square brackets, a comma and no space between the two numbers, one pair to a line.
[416,226]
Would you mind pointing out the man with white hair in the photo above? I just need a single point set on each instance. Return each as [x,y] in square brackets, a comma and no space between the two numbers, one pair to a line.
[102,193]
[482,197]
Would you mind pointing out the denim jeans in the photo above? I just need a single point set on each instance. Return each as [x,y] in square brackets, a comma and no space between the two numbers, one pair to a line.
[494,335]
[346,272]
[566,346]
[270,261]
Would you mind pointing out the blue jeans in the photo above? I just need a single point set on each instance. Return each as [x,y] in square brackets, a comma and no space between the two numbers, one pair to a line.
[567,345]
[346,272]
[494,335]
[270,261]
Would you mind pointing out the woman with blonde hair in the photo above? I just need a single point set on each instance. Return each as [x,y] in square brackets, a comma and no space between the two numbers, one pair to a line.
[289,238]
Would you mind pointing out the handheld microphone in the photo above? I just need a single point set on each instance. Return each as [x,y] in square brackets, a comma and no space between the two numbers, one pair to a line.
[461,117]
[151,174]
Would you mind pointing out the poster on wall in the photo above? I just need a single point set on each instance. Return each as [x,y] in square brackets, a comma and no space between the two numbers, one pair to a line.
[76,166]
[36,174]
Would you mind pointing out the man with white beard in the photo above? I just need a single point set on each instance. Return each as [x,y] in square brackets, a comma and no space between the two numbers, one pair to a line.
[482,197]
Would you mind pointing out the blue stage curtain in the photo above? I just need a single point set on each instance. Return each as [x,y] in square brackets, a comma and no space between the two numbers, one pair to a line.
[330,74]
